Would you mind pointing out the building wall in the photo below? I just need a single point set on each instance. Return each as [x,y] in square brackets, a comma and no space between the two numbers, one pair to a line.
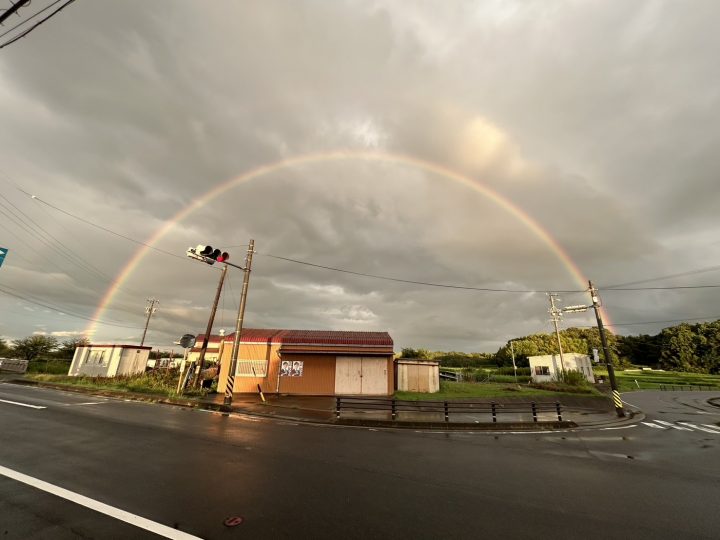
[108,361]
[418,376]
[572,361]
[318,371]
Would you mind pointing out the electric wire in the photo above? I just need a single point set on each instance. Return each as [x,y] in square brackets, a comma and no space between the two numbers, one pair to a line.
[34,26]
[62,311]
[28,19]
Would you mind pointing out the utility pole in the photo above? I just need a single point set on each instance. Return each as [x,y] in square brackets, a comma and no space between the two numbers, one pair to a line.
[555,313]
[149,309]
[512,354]
[606,352]
[208,331]
[13,9]
[238,329]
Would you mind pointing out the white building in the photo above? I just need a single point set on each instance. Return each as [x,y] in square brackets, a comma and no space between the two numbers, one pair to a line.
[546,368]
[109,360]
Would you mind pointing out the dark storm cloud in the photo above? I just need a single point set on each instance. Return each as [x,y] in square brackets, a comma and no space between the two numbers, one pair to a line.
[596,120]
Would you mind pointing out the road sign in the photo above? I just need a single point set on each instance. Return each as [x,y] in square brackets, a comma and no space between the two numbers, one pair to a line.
[3,252]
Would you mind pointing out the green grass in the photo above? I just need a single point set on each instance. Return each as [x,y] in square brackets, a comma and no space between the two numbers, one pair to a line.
[160,383]
[653,380]
[457,390]
[54,366]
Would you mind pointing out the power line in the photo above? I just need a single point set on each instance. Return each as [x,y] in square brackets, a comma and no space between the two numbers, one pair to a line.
[64,312]
[426,283]
[28,19]
[713,317]
[35,197]
[34,26]
[662,288]
[670,276]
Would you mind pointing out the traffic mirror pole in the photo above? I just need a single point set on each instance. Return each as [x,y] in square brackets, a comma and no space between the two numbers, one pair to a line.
[606,352]
[238,329]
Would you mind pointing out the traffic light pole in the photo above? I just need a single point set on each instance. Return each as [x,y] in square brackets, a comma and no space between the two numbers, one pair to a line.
[238,329]
[208,331]
[606,352]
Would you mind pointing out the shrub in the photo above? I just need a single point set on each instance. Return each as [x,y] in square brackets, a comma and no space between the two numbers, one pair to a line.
[572,377]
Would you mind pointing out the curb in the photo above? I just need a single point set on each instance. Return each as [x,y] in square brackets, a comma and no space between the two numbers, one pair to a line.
[349,422]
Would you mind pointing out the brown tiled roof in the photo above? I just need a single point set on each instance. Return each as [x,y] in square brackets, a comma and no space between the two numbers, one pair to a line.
[314,337]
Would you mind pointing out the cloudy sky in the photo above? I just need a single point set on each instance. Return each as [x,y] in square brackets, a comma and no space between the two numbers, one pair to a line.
[597,120]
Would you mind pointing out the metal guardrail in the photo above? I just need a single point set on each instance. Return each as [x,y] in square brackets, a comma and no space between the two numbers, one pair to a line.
[13,365]
[688,387]
[396,407]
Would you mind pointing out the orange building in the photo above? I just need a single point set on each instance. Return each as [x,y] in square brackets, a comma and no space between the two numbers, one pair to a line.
[310,362]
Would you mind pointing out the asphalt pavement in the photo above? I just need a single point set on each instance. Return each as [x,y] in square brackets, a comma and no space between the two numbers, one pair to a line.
[76,466]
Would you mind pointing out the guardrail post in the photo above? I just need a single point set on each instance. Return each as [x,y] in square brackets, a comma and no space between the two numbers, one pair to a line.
[337,407]
[393,409]
[494,411]
[559,413]
[447,413]
[534,411]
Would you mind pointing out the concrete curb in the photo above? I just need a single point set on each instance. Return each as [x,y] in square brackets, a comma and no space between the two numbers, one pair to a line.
[349,422]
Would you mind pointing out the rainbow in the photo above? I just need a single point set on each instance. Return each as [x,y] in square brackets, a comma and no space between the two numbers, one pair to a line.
[341,155]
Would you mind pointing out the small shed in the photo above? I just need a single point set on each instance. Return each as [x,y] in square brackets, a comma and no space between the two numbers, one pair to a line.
[109,360]
[547,367]
[417,375]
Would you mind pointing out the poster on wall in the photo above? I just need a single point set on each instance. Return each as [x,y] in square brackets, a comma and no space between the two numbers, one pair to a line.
[291,368]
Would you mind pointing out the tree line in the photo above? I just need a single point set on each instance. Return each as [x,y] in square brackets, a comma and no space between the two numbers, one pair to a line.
[684,347]
[40,346]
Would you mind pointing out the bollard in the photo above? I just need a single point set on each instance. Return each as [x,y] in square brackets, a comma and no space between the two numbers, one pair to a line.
[447,413]
[494,412]
[337,407]
[559,413]
[534,411]
[393,409]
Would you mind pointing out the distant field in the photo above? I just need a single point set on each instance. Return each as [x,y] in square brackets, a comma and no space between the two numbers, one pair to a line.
[653,380]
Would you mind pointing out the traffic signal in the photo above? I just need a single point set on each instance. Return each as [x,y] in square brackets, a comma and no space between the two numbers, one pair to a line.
[208,254]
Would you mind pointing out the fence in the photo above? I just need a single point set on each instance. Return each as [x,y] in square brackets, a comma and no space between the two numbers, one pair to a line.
[397,408]
[690,387]
[14,365]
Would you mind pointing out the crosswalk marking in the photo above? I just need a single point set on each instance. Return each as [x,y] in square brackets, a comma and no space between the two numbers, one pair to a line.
[670,424]
[700,428]
[683,426]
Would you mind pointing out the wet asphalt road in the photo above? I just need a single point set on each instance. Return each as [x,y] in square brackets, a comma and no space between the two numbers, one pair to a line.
[190,470]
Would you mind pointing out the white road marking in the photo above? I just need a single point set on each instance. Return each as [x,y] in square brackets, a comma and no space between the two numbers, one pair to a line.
[122,515]
[650,424]
[86,403]
[711,426]
[700,428]
[22,404]
[621,427]
[670,424]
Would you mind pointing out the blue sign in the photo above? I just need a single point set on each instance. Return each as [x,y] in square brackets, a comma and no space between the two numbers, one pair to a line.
[3,252]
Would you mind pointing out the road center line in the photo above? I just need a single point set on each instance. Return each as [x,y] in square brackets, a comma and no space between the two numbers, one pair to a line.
[122,515]
[22,404]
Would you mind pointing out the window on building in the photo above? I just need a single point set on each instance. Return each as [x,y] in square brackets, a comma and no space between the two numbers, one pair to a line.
[542,370]
[97,357]
[252,368]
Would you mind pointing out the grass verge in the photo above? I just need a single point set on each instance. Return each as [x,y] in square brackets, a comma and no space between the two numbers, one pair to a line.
[457,390]
[653,380]
[161,383]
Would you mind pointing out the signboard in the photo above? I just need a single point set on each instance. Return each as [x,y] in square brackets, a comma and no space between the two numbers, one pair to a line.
[596,356]
[292,368]
[3,252]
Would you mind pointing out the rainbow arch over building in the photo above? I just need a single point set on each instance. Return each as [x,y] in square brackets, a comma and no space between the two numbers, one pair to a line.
[336,156]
